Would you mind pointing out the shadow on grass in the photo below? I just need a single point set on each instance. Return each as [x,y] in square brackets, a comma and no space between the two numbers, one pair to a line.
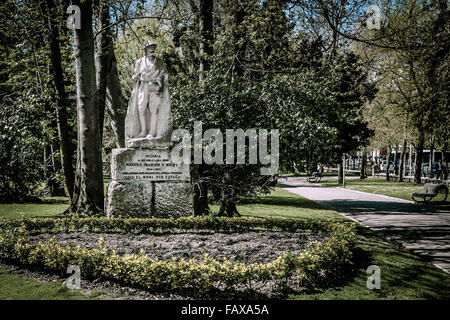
[37,201]
[55,201]
[286,201]
[303,185]
[402,269]
[363,207]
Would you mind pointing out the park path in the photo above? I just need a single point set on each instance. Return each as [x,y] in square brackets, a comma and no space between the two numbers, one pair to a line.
[425,230]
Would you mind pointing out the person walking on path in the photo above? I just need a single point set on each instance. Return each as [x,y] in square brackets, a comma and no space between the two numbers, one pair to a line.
[319,169]
[439,168]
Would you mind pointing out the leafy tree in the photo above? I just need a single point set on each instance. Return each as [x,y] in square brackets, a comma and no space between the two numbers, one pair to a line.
[21,147]
[419,65]
[27,72]
[263,78]
[49,11]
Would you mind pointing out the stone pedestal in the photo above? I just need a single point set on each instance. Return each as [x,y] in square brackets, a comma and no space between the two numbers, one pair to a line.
[146,183]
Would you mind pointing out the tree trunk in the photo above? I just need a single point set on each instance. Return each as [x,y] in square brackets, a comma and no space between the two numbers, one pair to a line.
[362,173]
[88,193]
[373,163]
[206,35]
[115,103]
[340,173]
[410,166]
[216,193]
[388,162]
[228,208]
[47,189]
[201,206]
[227,204]
[395,161]
[431,159]
[66,146]
[52,166]
[309,162]
[52,188]
[402,162]
[239,46]
[445,160]
[418,160]
[104,46]
[57,189]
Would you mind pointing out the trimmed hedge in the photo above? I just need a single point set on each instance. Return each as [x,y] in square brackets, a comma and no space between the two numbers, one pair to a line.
[152,225]
[312,267]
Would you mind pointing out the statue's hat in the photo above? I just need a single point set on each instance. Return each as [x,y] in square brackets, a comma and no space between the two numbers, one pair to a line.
[148,44]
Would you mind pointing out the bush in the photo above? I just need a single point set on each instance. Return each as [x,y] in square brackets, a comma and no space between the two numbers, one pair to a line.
[313,266]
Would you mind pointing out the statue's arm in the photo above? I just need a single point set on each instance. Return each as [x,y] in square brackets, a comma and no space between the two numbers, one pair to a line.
[136,72]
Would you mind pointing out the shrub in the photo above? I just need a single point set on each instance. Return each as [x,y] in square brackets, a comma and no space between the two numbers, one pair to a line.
[313,266]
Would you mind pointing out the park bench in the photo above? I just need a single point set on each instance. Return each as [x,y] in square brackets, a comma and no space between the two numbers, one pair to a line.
[315,177]
[429,191]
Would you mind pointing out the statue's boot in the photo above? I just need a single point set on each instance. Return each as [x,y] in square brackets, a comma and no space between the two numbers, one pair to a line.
[143,124]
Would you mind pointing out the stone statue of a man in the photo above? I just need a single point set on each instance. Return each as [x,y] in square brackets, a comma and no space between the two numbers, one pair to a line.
[148,115]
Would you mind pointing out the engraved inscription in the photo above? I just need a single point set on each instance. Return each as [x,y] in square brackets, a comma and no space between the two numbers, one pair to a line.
[153,165]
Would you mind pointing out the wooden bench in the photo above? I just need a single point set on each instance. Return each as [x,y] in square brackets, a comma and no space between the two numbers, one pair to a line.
[315,177]
[429,191]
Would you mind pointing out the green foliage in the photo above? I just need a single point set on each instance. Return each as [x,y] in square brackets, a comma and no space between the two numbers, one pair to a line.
[149,225]
[48,207]
[410,57]
[268,75]
[178,275]
[319,110]
[21,150]
[27,99]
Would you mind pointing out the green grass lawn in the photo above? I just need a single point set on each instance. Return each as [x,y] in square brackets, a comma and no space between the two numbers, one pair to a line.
[18,287]
[402,190]
[403,274]
[49,207]
[283,204]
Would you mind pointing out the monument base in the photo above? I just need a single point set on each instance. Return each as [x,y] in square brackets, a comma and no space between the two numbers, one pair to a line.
[144,199]
[146,183]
